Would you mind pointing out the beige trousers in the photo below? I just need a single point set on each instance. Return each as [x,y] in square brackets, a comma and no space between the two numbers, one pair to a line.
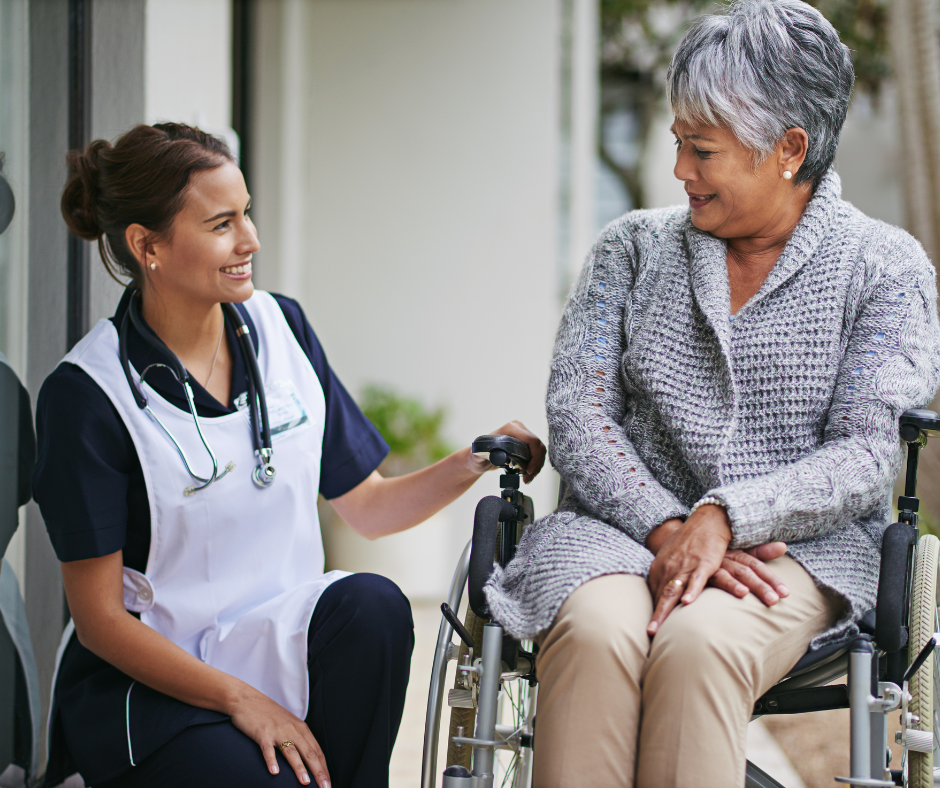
[616,709]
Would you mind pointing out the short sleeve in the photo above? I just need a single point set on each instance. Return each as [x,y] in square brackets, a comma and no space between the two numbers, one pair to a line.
[352,446]
[84,466]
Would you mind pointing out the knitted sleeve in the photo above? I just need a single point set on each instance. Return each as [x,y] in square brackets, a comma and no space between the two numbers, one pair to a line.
[890,364]
[586,403]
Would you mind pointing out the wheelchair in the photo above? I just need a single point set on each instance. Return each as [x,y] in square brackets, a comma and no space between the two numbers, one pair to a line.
[892,664]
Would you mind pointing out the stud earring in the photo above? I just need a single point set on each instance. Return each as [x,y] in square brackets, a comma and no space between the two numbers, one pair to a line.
[787,174]
[153,266]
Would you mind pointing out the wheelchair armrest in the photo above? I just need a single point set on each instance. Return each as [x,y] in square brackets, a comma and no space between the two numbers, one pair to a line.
[489,513]
[890,632]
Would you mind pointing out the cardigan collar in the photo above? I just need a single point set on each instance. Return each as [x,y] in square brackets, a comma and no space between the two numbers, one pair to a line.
[708,266]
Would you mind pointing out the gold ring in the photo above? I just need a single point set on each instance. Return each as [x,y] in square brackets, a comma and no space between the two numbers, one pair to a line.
[285,744]
[679,582]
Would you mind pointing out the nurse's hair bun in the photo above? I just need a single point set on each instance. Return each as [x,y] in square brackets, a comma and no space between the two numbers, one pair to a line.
[79,198]
[141,179]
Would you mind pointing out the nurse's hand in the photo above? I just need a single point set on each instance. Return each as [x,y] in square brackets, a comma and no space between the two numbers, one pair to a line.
[270,724]
[380,506]
[515,429]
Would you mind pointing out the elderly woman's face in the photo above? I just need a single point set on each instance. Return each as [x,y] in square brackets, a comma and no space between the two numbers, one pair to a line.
[729,197]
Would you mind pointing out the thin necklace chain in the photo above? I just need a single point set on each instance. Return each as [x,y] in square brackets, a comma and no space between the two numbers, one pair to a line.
[216,356]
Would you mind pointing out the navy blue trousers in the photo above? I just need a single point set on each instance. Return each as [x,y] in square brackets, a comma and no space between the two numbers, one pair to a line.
[359,657]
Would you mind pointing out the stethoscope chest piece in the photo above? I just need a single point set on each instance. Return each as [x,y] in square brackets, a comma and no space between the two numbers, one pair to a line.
[263,475]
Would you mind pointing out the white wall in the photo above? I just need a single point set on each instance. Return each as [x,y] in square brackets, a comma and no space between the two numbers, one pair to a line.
[189,62]
[405,192]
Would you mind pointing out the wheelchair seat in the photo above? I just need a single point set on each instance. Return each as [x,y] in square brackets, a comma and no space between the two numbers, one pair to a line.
[831,651]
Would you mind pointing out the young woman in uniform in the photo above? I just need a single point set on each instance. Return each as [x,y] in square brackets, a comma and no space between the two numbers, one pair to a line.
[183,444]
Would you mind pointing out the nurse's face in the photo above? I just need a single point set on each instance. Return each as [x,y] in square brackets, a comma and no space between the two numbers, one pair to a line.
[207,257]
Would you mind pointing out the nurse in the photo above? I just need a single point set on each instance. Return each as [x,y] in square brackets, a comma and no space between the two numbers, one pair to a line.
[209,647]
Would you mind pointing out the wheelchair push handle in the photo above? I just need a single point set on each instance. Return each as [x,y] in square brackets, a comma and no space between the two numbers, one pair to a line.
[916,421]
[503,451]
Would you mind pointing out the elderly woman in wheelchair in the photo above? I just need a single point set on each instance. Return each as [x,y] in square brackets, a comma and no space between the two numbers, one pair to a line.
[724,404]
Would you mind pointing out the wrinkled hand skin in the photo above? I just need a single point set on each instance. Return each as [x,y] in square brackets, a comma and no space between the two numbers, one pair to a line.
[692,554]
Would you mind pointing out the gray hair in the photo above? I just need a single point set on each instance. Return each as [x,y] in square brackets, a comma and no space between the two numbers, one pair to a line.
[761,68]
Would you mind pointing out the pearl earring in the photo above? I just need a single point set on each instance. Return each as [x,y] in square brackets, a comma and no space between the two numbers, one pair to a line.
[153,266]
[787,174]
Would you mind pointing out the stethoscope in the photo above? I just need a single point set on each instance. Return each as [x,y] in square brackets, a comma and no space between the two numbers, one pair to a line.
[264,474]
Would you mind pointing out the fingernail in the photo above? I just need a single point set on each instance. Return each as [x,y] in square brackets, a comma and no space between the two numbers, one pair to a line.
[274,769]
[772,597]
[783,590]
[326,784]
[652,627]
[304,778]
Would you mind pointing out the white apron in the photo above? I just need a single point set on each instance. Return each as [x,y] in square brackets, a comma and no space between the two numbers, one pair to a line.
[234,571]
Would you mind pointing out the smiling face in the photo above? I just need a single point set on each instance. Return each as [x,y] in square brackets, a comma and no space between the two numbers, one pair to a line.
[207,257]
[729,196]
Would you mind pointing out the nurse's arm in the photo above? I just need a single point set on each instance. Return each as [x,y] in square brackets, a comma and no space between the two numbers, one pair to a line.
[379,506]
[94,588]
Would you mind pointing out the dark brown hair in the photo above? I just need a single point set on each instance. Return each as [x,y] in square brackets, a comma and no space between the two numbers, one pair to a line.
[141,179]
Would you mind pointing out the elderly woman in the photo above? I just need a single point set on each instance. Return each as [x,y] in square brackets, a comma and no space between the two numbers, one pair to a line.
[723,406]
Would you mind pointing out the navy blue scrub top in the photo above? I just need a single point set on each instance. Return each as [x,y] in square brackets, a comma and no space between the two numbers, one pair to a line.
[89,485]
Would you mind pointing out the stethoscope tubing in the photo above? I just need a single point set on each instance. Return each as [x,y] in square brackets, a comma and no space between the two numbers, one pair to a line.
[264,474]
[261,428]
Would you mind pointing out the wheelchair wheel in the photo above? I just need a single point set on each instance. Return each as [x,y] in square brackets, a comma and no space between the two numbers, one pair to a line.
[925,684]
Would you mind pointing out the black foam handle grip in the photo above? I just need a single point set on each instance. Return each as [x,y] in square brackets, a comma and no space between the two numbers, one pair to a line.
[890,634]
[490,511]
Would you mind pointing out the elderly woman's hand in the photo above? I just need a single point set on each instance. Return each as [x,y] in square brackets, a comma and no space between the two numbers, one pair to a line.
[688,558]
[744,571]
[698,548]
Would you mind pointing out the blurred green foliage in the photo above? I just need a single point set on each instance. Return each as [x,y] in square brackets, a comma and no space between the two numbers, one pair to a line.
[926,524]
[863,28]
[413,431]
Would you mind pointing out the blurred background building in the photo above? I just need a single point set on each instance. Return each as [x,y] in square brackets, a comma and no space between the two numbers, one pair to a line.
[427,177]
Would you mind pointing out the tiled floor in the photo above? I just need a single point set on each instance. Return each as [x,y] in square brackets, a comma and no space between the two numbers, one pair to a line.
[406,760]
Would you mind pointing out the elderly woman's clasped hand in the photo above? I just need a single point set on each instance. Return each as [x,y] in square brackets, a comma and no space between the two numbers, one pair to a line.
[694,553]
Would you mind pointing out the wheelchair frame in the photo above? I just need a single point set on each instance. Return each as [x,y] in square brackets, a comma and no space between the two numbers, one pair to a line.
[888,662]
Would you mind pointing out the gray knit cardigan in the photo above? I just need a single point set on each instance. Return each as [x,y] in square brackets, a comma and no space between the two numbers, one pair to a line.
[788,414]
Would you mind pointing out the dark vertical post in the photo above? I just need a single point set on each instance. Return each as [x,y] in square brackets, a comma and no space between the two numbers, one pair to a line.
[79,59]
[48,302]
[242,64]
